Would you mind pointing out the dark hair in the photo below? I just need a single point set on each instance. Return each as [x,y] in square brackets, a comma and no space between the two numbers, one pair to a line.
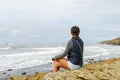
[75,30]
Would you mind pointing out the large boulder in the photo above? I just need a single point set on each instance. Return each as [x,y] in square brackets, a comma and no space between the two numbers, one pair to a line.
[107,70]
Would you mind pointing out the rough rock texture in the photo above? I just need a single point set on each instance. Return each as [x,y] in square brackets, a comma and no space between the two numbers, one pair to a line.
[107,70]
[113,42]
[18,78]
[37,76]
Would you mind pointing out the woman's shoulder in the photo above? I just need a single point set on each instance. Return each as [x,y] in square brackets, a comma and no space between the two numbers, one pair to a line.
[70,42]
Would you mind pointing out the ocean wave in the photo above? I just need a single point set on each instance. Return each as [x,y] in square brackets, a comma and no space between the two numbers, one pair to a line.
[89,50]
[5,48]
[43,55]
[49,48]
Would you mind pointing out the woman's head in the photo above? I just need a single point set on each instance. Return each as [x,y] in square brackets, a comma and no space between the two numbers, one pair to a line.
[75,31]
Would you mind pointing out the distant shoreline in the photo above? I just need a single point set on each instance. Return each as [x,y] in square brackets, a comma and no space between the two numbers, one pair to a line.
[111,42]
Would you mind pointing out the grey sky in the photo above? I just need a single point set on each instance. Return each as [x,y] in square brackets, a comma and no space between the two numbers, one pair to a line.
[43,20]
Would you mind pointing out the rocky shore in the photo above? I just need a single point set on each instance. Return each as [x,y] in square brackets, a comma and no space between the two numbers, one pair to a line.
[113,42]
[106,70]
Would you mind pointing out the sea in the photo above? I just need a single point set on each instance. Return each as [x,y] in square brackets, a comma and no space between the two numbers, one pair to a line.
[16,56]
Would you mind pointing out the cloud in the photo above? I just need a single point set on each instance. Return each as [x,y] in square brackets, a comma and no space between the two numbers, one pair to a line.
[35,18]
[35,36]
[59,10]
[13,32]
[17,32]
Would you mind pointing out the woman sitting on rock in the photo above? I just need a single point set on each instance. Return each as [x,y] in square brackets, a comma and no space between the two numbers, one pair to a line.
[74,53]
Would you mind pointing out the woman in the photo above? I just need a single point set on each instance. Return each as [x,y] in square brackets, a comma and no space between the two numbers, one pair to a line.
[74,53]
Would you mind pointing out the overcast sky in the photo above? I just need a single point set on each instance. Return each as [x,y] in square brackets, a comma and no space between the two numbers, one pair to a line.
[51,20]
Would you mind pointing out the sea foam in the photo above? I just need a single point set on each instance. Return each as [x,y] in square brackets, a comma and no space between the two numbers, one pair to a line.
[43,55]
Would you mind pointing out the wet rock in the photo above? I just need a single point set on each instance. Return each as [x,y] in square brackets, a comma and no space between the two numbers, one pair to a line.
[24,73]
[9,69]
[90,61]
[4,73]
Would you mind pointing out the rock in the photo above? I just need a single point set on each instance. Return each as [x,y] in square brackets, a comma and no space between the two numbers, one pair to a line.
[113,42]
[4,73]
[24,73]
[106,70]
[18,78]
[33,77]
[90,61]
[82,74]
[40,75]
[9,69]
[4,79]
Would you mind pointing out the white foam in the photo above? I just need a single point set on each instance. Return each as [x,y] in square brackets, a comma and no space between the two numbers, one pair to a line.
[27,59]
[42,55]
[51,48]
[96,50]
[42,51]
[96,55]
[5,48]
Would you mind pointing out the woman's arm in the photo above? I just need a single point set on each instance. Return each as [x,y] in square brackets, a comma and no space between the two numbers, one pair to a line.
[67,50]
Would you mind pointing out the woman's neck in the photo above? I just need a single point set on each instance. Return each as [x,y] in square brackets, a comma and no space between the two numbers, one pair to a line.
[75,37]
